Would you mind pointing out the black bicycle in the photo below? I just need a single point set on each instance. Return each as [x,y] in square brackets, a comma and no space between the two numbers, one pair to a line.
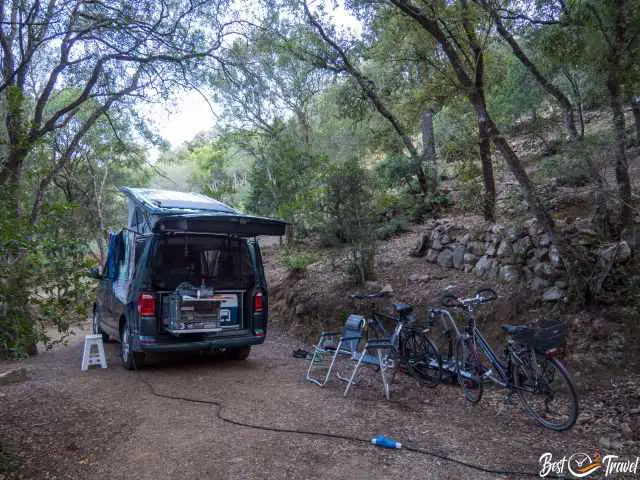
[412,350]
[530,365]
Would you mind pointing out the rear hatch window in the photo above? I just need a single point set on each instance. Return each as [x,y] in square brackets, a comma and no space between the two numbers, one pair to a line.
[220,262]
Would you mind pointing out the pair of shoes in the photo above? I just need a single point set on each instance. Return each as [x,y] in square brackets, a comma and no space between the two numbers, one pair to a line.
[300,353]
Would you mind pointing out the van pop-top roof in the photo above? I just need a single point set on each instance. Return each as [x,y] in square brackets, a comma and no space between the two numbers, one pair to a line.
[152,210]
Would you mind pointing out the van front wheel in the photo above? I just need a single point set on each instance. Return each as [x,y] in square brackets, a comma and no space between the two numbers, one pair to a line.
[130,360]
[241,353]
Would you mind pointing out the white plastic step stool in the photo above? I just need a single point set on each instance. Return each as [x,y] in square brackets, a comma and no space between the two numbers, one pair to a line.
[93,358]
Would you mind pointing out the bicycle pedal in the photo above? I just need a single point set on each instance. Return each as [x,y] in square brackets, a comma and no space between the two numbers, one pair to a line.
[508,399]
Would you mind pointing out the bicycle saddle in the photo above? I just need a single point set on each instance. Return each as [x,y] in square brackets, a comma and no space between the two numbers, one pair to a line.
[403,308]
[513,329]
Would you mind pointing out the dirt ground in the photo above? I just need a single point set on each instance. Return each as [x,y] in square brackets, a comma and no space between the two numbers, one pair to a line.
[105,423]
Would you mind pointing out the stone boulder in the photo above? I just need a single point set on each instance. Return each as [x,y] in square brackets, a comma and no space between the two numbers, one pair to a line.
[544,240]
[445,258]
[420,247]
[484,266]
[470,258]
[522,246]
[621,250]
[505,249]
[544,270]
[554,256]
[436,244]
[458,257]
[477,248]
[538,284]
[552,294]
[509,273]
[419,278]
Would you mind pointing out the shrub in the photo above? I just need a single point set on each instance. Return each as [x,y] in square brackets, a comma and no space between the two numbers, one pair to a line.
[394,226]
[42,281]
[296,261]
[569,171]
[350,210]
[468,181]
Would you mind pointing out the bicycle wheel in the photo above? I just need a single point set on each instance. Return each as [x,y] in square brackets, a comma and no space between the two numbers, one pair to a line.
[546,390]
[421,356]
[468,369]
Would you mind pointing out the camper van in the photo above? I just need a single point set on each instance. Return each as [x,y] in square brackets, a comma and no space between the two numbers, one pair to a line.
[186,274]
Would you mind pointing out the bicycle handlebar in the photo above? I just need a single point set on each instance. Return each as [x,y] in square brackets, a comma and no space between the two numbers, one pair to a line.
[484,295]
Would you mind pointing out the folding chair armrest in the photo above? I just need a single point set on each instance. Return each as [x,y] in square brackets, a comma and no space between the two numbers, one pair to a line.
[324,336]
[329,334]
[347,339]
[379,344]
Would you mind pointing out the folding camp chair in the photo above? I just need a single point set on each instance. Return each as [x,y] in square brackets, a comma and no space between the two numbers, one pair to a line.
[345,342]
[376,353]
[332,344]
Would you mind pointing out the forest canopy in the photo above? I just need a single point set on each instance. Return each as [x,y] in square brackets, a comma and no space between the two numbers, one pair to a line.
[348,120]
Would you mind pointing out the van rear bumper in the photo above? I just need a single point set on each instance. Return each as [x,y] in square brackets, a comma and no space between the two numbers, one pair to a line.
[150,344]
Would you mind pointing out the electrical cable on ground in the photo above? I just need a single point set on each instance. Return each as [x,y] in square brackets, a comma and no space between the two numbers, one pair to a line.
[219,407]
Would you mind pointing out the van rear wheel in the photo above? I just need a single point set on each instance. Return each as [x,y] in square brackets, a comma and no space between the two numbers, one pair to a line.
[130,360]
[241,353]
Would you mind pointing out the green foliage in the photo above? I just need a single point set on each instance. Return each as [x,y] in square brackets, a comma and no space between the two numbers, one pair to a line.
[576,164]
[392,227]
[42,280]
[295,260]
[513,91]
[395,169]
[284,180]
[468,182]
[349,214]
[569,171]
[455,132]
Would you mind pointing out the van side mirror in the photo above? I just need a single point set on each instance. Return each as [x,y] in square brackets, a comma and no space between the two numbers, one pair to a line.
[95,273]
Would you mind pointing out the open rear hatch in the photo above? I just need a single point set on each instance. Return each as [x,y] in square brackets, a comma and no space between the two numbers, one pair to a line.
[234,224]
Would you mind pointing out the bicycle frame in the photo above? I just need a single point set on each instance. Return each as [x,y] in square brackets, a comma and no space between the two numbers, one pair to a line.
[504,378]
[502,369]
[379,329]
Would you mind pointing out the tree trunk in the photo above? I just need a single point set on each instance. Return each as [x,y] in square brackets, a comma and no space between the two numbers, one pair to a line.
[305,127]
[540,211]
[10,179]
[635,108]
[542,214]
[570,122]
[614,85]
[578,96]
[489,203]
[368,87]
[555,92]
[622,167]
[429,149]
[477,97]
[581,117]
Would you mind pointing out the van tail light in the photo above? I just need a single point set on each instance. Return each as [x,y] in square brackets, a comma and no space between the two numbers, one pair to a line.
[258,302]
[146,305]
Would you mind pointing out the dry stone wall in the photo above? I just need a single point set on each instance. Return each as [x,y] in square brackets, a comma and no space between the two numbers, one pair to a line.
[524,255]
